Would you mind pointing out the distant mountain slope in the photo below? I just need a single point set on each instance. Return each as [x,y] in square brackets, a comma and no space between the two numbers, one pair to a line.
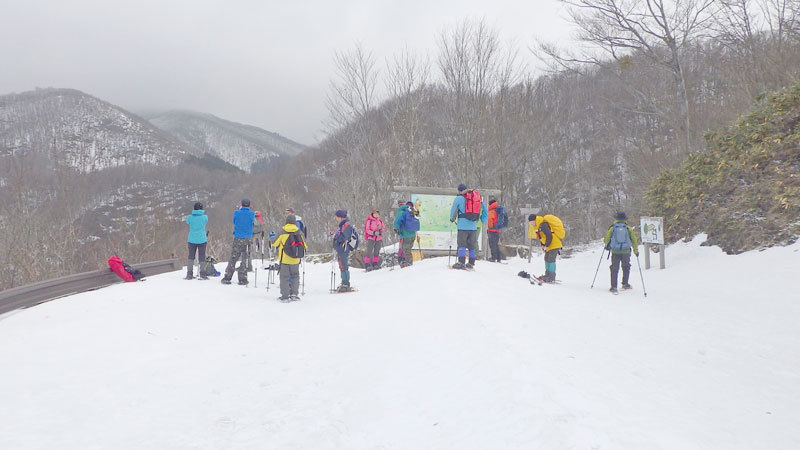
[77,130]
[241,145]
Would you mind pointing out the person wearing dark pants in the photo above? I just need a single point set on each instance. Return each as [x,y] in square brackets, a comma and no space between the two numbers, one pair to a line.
[619,240]
[493,233]
[242,235]
[341,241]
[289,243]
[550,230]
[197,240]
[467,209]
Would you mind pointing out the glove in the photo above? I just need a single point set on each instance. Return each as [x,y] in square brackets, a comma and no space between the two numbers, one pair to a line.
[396,231]
[608,247]
[271,235]
[636,252]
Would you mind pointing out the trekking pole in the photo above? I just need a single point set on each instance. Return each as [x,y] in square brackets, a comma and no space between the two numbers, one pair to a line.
[255,275]
[598,267]
[640,275]
[449,252]
[419,247]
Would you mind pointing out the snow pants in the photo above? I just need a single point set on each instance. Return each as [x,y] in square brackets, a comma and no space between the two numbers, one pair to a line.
[494,246]
[239,250]
[195,249]
[290,279]
[618,259]
[467,241]
[344,265]
[406,246]
[372,252]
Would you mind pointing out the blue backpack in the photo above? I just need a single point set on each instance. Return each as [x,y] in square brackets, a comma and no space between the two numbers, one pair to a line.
[502,218]
[354,240]
[620,239]
[410,222]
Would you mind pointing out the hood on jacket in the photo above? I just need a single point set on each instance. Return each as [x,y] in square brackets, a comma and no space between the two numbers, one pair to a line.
[198,212]
[290,228]
[493,206]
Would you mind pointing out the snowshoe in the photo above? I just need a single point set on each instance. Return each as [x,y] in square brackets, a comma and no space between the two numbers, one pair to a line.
[225,281]
[285,299]
[459,266]
[625,287]
[614,291]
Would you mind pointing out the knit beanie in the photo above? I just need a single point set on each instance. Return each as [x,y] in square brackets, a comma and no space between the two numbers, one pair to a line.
[291,219]
[341,213]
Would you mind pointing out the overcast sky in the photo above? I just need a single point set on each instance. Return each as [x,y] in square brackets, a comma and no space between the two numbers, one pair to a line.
[258,62]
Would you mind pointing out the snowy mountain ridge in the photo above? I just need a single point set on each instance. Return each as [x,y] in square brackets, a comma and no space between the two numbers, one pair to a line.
[70,128]
[423,357]
[245,146]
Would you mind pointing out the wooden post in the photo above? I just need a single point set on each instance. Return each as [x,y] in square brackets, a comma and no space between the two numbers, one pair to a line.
[662,257]
[646,256]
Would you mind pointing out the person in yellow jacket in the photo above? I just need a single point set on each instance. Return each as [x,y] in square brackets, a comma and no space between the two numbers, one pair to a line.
[291,248]
[550,231]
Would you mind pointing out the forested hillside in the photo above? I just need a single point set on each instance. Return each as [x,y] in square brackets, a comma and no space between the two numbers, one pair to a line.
[744,190]
[583,141]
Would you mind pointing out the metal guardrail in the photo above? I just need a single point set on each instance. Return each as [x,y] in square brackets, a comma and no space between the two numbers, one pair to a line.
[44,291]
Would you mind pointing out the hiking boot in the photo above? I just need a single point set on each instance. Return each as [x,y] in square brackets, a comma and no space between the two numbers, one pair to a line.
[243,282]
[613,290]
[285,299]
[368,268]
[458,265]
[626,286]
[225,281]
[471,263]
[189,269]
[295,298]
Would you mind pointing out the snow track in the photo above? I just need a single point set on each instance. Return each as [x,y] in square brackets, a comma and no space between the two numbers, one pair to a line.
[419,358]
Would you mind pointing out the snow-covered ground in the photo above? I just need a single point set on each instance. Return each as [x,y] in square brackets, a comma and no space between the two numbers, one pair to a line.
[419,358]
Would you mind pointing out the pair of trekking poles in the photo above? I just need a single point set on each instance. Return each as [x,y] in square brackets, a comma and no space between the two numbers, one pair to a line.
[644,290]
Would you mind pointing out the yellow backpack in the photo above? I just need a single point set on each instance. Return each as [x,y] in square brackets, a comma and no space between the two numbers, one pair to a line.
[556,226]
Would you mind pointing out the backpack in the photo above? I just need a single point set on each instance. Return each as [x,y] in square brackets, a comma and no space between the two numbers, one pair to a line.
[472,206]
[502,218]
[620,238]
[354,240]
[556,226]
[294,247]
[209,270]
[410,221]
[123,270]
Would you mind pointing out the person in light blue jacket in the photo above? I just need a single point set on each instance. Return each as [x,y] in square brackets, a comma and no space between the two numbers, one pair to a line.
[197,239]
[468,208]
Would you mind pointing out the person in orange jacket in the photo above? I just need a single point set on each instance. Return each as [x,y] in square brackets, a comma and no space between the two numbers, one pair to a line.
[494,233]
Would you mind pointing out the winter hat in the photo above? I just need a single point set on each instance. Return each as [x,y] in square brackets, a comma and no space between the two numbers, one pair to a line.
[245,202]
[532,217]
[621,215]
[409,203]
[290,210]
[462,187]
[291,219]
[198,205]
[494,200]
[341,213]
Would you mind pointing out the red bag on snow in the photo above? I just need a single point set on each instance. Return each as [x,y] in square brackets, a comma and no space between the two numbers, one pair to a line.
[120,268]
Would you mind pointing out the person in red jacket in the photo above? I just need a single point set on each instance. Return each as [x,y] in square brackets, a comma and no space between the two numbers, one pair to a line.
[494,233]
[373,234]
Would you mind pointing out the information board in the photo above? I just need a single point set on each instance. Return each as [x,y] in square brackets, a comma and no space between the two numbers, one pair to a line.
[652,230]
[435,229]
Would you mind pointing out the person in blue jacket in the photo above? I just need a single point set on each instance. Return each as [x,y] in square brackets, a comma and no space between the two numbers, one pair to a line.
[467,209]
[242,236]
[197,240]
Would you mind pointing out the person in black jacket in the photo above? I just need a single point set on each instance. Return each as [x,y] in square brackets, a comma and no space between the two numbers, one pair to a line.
[340,243]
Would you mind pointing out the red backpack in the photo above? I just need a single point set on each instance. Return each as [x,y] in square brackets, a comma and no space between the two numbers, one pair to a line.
[124,271]
[472,206]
